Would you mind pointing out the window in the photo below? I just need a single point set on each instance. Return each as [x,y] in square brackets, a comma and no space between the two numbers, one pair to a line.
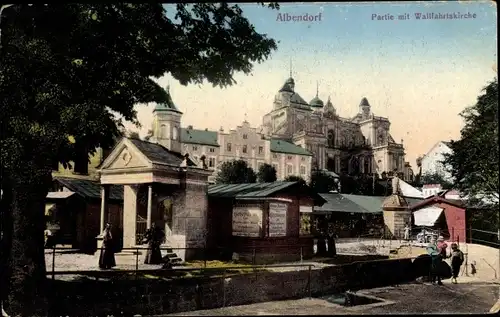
[175,133]
[275,167]
[228,147]
[302,158]
[302,170]
[195,148]
[290,157]
[275,156]
[261,149]
[211,162]
[244,148]
[163,131]
[212,150]
[289,169]
[245,136]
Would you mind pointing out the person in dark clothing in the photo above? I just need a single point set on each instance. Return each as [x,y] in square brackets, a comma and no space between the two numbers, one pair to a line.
[436,258]
[457,258]
[107,257]
[154,237]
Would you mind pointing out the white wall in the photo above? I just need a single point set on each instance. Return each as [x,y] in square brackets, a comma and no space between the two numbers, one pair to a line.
[431,161]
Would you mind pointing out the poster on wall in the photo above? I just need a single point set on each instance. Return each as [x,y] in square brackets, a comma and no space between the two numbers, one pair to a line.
[247,222]
[306,209]
[277,219]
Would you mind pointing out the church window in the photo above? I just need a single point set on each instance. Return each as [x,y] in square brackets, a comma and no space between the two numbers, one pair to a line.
[290,157]
[275,167]
[302,170]
[244,148]
[228,147]
[211,162]
[175,133]
[163,131]
[195,148]
[289,169]
[302,158]
[212,150]
[261,149]
[331,138]
[245,136]
[275,155]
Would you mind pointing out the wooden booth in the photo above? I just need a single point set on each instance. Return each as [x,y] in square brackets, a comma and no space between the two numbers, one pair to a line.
[261,222]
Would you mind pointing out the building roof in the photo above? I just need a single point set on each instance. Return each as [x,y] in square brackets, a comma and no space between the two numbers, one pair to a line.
[316,102]
[336,202]
[247,190]
[364,103]
[280,146]
[159,154]
[168,105]
[59,195]
[202,137]
[88,188]
[355,203]
[438,199]
[288,85]
[259,190]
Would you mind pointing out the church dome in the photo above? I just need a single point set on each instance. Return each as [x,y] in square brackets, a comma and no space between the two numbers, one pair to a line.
[288,86]
[316,102]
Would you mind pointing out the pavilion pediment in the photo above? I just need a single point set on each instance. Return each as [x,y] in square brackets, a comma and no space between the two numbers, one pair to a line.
[125,156]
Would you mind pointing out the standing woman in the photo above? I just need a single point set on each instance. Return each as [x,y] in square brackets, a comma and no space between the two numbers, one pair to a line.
[107,257]
[154,237]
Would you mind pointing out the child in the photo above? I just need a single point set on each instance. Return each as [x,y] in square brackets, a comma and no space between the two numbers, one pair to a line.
[457,258]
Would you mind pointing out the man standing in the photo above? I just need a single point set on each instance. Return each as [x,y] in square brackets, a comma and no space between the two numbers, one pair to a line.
[407,232]
[436,258]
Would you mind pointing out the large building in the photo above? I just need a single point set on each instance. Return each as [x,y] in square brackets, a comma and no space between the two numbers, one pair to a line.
[296,138]
[432,161]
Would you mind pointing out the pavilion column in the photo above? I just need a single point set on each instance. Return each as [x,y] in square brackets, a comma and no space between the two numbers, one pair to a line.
[104,207]
[150,206]
[129,215]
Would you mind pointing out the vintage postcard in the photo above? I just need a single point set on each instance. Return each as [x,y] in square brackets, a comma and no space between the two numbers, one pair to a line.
[249,158]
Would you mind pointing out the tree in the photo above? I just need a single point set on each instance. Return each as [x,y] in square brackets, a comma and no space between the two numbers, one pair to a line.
[322,182]
[473,161]
[134,135]
[294,178]
[235,172]
[435,178]
[266,174]
[66,69]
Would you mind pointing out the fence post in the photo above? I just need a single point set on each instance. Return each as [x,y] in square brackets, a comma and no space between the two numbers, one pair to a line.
[224,288]
[53,262]
[136,262]
[309,282]
[470,234]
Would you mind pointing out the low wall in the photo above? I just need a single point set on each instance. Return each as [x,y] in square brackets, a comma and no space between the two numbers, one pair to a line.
[146,297]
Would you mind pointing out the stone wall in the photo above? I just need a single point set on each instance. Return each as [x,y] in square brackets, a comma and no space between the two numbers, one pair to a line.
[148,297]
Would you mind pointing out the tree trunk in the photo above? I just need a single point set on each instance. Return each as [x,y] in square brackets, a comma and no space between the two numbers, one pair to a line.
[27,295]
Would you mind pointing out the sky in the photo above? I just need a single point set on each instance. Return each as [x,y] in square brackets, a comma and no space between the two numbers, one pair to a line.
[419,73]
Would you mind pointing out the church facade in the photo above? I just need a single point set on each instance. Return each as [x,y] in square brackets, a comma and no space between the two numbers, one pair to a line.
[361,144]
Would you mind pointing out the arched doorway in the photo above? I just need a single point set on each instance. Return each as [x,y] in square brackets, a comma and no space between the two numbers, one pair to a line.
[330,164]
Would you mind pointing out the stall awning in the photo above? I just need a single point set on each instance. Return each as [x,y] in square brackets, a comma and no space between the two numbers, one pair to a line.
[427,216]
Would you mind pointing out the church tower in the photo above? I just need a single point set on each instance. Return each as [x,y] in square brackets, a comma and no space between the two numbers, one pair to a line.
[167,124]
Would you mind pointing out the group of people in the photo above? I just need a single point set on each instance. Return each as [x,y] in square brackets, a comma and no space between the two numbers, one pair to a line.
[437,249]
[154,237]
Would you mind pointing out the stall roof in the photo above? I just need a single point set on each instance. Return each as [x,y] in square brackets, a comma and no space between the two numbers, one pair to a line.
[252,190]
[355,203]
[427,216]
[88,188]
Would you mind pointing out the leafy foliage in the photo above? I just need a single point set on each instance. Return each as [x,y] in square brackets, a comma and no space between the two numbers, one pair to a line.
[235,172]
[322,182]
[435,178]
[294,178]
[266,174]
[62,83]
[474,159]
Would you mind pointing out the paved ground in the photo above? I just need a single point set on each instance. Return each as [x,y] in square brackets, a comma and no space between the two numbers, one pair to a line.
[470,296]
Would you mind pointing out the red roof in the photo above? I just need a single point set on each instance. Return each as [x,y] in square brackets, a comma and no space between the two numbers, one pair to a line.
[438,199]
